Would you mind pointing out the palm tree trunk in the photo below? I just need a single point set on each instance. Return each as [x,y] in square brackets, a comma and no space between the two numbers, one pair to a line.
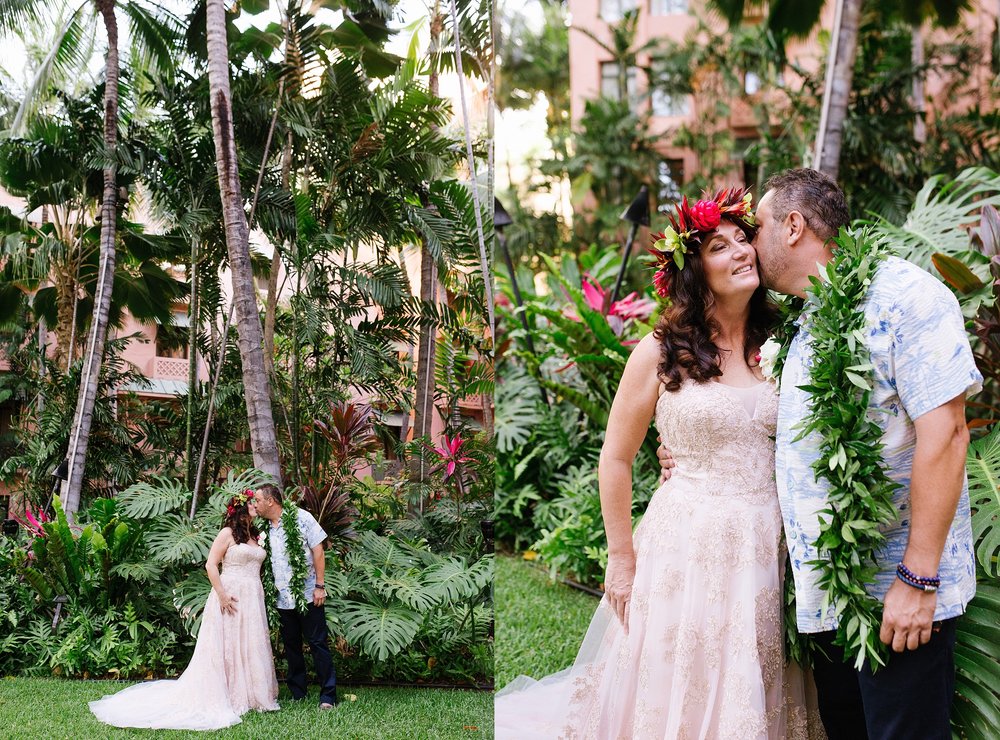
[404,425]
[919,107]
[837,94]
[423,410]
[80,433]
[263,439]
[193,313]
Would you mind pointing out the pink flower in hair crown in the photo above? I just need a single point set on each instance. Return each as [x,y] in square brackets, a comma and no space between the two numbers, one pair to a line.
[706,215]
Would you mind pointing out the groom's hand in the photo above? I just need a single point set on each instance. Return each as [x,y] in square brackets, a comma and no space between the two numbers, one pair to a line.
[666,459]
[908,618]
[319,596]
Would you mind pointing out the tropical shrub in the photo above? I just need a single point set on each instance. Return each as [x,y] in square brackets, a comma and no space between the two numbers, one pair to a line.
[405,612]
[547,453]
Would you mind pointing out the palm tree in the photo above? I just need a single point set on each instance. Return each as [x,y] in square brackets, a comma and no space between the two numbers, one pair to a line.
[147,27]
[263,437]
[53,266]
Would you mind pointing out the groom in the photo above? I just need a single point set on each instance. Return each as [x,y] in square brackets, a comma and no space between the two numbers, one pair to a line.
[924,368]
[295,625]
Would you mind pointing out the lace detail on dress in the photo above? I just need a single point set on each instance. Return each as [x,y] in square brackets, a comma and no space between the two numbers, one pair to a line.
[703,657]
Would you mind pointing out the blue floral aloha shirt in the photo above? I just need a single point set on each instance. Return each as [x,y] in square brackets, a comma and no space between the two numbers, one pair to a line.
[312,535]
[919,347]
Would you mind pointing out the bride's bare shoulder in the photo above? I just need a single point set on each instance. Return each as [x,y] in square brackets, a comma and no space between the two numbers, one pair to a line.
[648,350]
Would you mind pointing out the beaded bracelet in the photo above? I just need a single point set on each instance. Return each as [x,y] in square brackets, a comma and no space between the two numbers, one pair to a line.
[910,578]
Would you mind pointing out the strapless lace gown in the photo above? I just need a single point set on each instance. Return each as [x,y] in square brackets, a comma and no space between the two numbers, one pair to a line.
[230,673]
[703,657]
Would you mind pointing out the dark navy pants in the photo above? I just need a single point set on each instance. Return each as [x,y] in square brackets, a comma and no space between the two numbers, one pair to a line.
[311,627]
[907,699]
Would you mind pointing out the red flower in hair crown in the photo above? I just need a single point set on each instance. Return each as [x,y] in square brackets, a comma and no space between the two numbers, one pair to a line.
[240,499]
[689,226]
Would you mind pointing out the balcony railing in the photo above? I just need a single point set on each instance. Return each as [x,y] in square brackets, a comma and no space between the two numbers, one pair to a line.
[169,368]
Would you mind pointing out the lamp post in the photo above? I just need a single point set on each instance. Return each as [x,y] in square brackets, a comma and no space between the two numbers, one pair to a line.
[501,220]
[486,525]
[60,474]
[638,215]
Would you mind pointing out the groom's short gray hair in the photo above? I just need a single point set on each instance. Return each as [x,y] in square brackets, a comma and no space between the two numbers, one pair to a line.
[813,194]
[271,491]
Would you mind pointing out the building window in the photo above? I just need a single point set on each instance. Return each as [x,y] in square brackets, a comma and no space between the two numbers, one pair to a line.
[610,83]
[670,178]
[668,105]
[746,153]
[668,7]
[614,10]
[172,341]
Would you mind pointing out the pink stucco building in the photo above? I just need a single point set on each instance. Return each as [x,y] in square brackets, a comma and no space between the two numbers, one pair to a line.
[592,71]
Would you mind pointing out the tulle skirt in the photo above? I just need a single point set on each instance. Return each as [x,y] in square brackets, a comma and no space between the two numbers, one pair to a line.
[230,673]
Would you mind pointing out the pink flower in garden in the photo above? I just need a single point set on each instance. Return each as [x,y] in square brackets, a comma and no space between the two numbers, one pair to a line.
[628,308]
[34,521]
[449,454]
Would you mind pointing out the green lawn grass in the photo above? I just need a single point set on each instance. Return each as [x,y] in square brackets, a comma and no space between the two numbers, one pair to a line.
[55,708]
[539,624]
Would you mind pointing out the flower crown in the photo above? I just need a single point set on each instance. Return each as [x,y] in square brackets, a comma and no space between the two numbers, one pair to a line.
[240,499]
[691,224]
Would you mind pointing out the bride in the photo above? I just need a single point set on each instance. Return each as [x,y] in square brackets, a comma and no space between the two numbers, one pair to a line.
[232,669]
[688,640]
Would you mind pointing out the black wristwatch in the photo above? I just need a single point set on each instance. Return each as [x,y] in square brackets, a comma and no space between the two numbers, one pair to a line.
[321,588]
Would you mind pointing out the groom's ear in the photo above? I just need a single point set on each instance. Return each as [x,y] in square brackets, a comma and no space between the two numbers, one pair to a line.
[795,227]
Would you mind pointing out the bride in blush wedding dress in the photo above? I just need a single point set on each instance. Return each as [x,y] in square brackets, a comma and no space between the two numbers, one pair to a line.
[688,639]
[232,669]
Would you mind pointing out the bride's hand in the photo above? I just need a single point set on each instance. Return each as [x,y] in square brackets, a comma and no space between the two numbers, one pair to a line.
[228,603]
[618,585]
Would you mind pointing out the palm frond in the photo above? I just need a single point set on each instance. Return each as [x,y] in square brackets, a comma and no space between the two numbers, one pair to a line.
[189,599]
[976,708]
[941,213]
[147,499]
[378,630]
[176,540]
[983,466]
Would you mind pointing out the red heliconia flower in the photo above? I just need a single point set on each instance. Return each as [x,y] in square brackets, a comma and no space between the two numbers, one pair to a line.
[449,453]
[705,215]
[627,308]
[34,521]
[661,281]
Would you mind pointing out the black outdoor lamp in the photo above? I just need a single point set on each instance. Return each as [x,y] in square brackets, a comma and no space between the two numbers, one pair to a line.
[487,526]
[636,214]
[501,220]
[60,474]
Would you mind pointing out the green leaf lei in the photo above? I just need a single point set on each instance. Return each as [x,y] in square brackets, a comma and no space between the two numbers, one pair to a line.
[295,551]
[850,460]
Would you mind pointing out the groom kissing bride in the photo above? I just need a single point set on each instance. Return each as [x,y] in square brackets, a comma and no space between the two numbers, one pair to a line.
[846,445]
[232,669]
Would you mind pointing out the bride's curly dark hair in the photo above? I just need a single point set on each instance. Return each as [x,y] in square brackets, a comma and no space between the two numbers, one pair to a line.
[686,327]
[239,520]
